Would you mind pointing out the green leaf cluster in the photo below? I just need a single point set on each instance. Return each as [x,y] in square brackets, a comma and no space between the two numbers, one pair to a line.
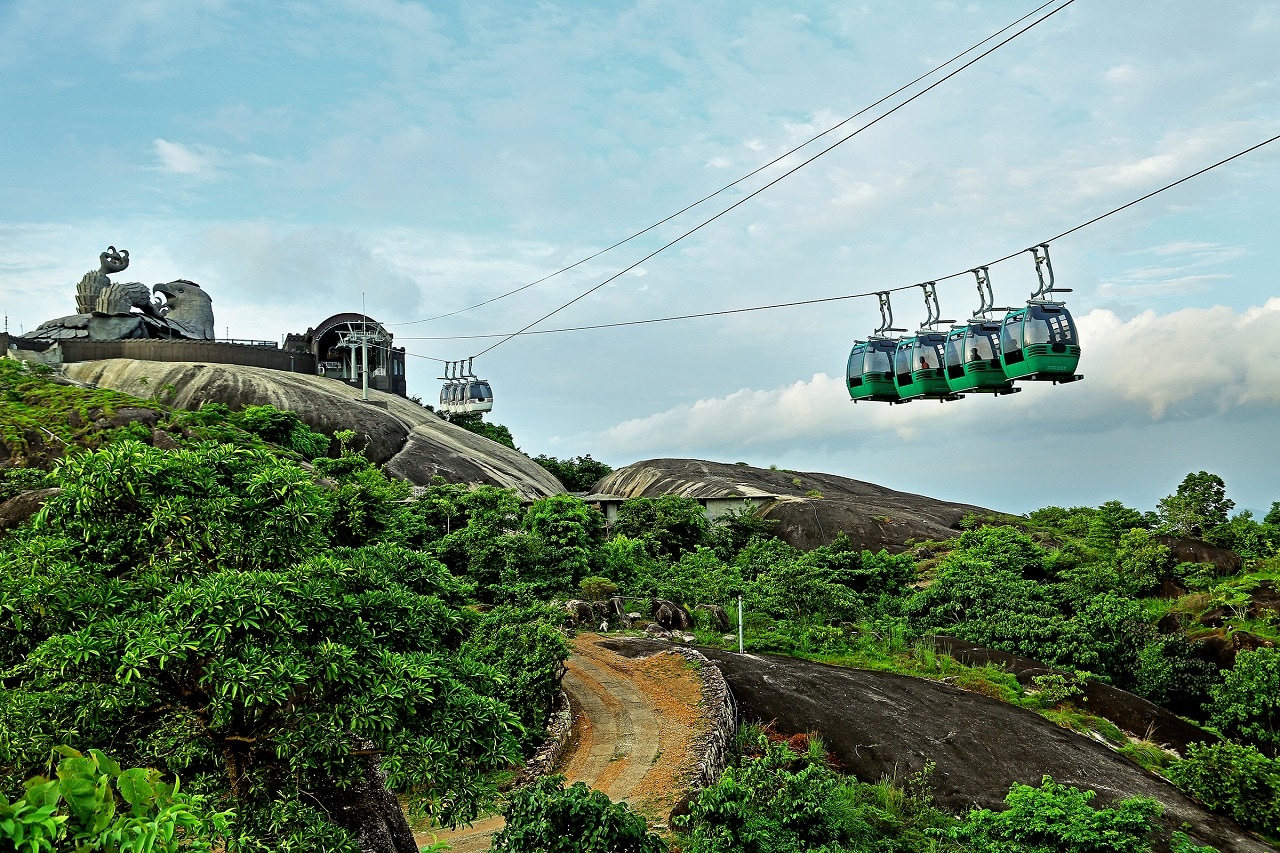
[780,801]
[547,817]
[87,802]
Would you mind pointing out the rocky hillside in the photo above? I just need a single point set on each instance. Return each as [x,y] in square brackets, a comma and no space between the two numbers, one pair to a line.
[406,439]
[810,508]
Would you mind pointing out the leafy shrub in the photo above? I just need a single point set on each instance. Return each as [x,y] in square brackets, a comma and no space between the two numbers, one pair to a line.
[1055,818]
[92,804]
[283,428]
[1236,780]
[780,800]
[595,588]
[547,817]
[1246,705]
[527,648]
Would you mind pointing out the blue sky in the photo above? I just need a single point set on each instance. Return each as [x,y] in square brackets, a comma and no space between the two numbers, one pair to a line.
[291,156]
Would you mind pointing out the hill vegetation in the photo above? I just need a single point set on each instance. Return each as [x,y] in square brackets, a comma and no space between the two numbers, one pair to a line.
[274,635]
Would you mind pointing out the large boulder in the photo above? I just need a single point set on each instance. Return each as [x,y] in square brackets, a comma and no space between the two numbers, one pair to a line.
[810,508]
[406,439]
[1225,561]
[15,511]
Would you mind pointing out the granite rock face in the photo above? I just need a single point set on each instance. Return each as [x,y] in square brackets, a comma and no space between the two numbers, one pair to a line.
[810,508]
[406,439]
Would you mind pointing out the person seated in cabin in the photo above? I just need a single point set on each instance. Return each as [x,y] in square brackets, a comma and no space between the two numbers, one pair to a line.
[924,363]
[973,355]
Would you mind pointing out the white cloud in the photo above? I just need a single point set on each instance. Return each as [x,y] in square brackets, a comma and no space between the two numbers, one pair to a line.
[200,160]
[1185,365]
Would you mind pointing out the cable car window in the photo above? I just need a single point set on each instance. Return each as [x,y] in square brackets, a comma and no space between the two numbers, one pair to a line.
[480,391]
[1011,333]
[1045,328]
[904,357]
[983,346]
[938,352]
[955,349]
[856,356]
[878,361]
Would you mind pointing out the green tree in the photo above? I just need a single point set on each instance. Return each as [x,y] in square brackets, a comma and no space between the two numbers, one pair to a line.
[698,577]
[1198,506]
[576,475]
[475,422]
[1246,705]
[185,610]
[733,530]
[1141,562]
[547,817]
[628,562]
[567,532]
[669,525]
[528,649]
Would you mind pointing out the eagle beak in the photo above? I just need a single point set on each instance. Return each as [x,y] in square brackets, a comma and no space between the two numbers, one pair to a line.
[162,288]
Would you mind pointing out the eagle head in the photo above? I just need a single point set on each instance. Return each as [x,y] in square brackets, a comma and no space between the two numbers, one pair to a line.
[188,309]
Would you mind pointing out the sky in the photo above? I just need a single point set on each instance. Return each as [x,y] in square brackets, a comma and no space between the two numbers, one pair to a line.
[301,159]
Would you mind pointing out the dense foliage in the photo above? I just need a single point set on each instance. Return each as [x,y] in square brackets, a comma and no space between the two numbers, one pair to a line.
[1234,779]
[280,634]
[778,800]
[214,612]
[547,817]
[578,474]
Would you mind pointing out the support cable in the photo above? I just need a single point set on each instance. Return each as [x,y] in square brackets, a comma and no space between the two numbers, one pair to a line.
[780,178]
[801,302]
[730,186]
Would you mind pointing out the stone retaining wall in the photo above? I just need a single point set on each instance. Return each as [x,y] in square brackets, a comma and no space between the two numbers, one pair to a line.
[548,755]
[712,750]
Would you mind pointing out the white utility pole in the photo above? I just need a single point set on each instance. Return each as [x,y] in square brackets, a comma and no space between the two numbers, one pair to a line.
[739,623]
[364,348]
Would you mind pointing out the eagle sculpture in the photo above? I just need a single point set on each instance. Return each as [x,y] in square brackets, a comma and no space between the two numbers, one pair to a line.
[111,310]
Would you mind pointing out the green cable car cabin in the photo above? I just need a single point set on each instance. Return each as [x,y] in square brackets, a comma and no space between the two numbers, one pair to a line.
[919,368]
[973,359]
[869,374]
[1040,343]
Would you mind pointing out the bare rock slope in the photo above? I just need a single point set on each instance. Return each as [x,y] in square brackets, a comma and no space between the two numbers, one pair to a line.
[406,439]
[810,508]
[883,724]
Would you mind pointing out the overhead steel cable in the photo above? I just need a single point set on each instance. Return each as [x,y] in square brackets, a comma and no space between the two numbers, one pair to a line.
[730,186]
[782,177]
[801,302]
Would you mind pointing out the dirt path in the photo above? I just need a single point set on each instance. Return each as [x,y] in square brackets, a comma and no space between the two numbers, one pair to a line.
[635,721]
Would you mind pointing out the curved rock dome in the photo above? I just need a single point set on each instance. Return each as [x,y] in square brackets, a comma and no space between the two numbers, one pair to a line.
[406,439]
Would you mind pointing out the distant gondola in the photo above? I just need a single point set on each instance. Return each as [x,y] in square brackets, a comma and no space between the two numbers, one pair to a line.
[464,392]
